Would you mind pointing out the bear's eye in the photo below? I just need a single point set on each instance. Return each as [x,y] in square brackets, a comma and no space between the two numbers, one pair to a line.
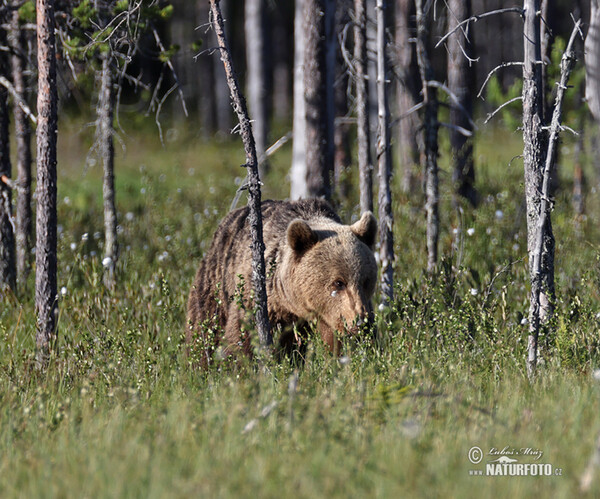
[339,285]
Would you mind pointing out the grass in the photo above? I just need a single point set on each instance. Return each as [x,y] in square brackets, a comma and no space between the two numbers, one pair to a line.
[121,413]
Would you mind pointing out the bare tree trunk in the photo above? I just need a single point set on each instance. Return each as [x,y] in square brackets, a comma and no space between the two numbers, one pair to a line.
[104,137]
[592,61]
[384,154]
[23,142]
[461,81]
[257,74]
[281,67]
[254,195]
[430,131]
[533,167]
[298,178]
[407,93]
[7,237]
[224,120]
[45,254]
[365,161]
[341,134]
[578,175]
[206,69]
[318,86]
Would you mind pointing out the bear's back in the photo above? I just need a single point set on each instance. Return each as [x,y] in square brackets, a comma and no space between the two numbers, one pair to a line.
[230,253]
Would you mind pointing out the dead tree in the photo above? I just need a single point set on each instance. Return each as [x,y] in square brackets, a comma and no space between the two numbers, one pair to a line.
[104,138]
[461,82]
[318,96]
[298,185]
[342,158]
[430,139]
[7,237]
[384,156]
[45,252]
[407,93]
[23,142]
[254,23]
[363,132]
[592,61]
[254,194]
[540,239]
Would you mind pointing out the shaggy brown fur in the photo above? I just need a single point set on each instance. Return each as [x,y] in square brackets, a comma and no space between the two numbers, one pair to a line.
[317,269]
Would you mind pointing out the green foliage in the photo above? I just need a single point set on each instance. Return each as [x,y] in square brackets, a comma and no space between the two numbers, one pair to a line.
[84,13]
[167,55]
[122,412]
[27,12]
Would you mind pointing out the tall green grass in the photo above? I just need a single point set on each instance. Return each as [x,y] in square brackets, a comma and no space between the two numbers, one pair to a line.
[120,412]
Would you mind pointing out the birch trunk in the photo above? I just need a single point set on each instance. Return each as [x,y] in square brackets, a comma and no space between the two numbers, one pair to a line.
[254,195]
[23,143]
[430,131]
[363,132]
[45,255]
[104,131]
[386,221]
[298,185]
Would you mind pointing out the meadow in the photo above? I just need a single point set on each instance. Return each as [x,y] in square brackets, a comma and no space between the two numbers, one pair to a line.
[121,413]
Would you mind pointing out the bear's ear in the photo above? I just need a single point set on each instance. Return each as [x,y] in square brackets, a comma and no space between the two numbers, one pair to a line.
[366,229]
[300,236]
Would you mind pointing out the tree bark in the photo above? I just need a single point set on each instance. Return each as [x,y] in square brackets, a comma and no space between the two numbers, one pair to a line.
[257,74]
[45,255]
[386,220]
[318,86]
[104,137]
[341,133]
[298,178]
[7,236]
[363,132]
[254,195]
[224,119]
[430,131]
[461,82]
[407,93]
[592,61]
[23,143]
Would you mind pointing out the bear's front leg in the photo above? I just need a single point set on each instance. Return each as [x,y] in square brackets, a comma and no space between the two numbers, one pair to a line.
[237,336]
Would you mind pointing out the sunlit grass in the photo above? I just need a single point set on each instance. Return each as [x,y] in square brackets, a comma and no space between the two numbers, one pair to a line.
[120,412]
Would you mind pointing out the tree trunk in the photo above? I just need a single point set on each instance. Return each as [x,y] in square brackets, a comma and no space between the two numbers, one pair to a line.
[281,67]
[104,137]
[533,161]
[255,27]
[23,142]
[298,177]
[318,86]
[254,195]
[461,82]
[341,135]
[205,71]
[384,154]
[222,104]
[430,131]
[407,93]
[7,236]
[45,254]
[592,61]
[363,132]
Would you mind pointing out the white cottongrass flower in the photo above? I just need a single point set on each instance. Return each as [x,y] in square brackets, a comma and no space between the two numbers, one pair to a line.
[499,214]
[63,291]
[474,292]
[107,261]
[470,231]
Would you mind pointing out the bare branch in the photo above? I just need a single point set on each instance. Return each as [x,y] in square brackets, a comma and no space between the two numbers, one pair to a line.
[493,113]
[11,184]
[459,129]
[453,98]
[477,18]
[500,66]
[22,104]
[173,73]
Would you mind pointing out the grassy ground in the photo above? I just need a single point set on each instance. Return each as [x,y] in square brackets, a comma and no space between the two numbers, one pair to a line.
[120,412]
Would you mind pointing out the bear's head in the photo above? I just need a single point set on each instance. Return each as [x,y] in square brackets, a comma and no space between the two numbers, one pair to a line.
[330,273]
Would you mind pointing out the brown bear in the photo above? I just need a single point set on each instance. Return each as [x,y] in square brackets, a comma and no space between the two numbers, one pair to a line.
[317,270]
